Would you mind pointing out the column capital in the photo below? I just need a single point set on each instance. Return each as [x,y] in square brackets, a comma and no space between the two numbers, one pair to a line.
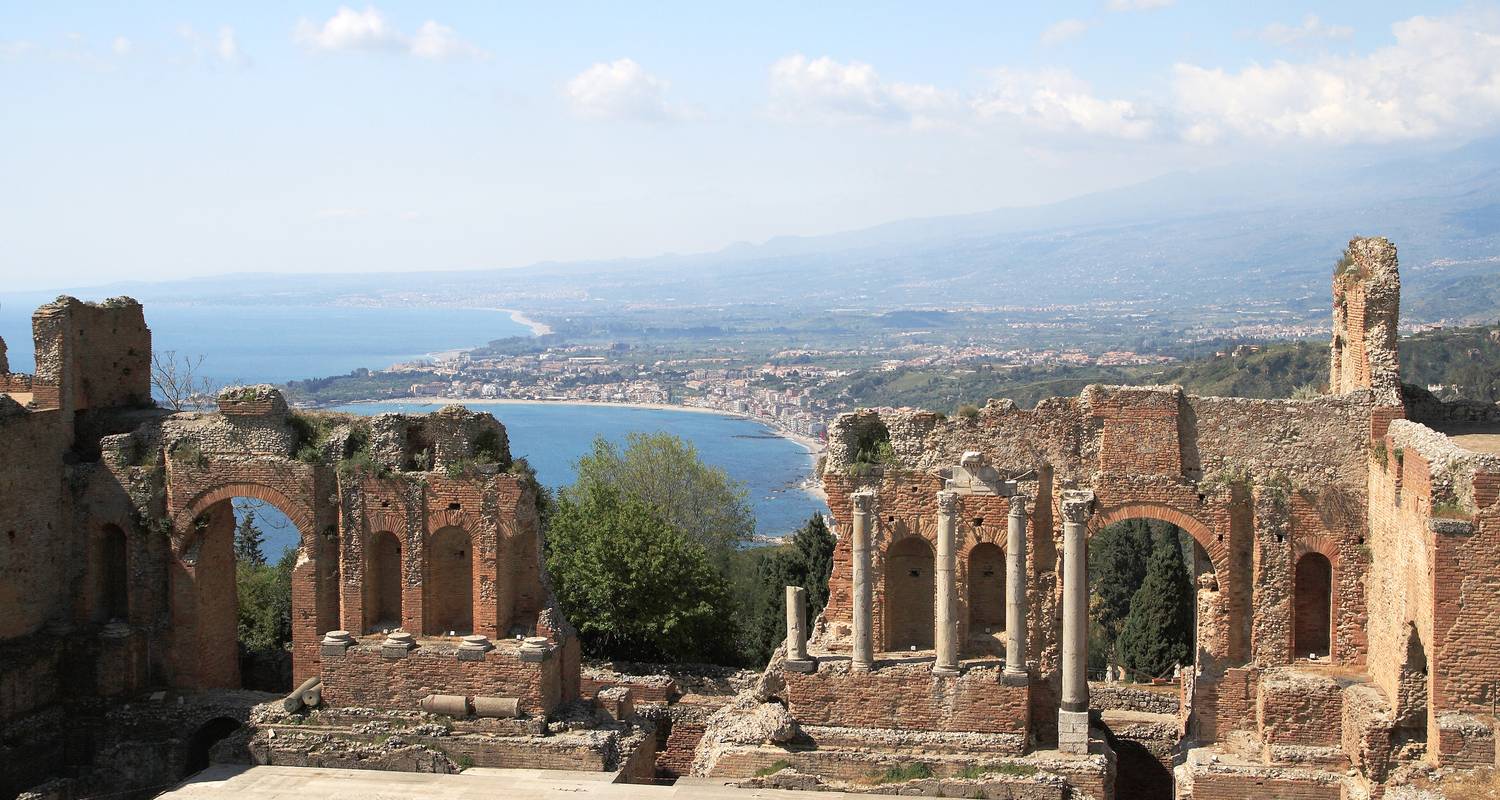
[1078,505]
[863,500]
[947,502]
[1018,505]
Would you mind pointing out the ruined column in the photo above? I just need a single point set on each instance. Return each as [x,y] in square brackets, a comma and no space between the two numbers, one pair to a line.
[945,618]
[1015,588]
[796,629]
[864,649]
[1073,715]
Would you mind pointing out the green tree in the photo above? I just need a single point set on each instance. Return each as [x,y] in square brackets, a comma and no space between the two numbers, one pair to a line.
[265,602]
[1117,565]
[635,585]
[664,472]
[805,559]
[248,541]
[1158,632]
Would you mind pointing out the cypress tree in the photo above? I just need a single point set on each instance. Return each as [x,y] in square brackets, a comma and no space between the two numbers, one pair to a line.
[248,540]
[1117,565]
[1158,632]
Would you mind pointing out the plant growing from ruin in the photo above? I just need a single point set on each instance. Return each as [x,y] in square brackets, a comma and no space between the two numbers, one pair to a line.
[900,773]
[487,447]
[974,771]
[968,412]
[1449,509]
[775,767]
[186,451]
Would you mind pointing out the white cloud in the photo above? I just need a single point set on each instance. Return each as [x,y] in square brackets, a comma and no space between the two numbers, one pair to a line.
[371,32]
[1312,28]
[621,90]
[121,46]
[1138,5]
[1441,77]
[1054,100]
[830,90]
[1062,31]
[14,49]
[222,49]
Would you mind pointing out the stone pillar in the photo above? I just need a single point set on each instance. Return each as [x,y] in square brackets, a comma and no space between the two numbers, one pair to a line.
[864,643]
[796,630]
[1073,715]
[945,617]
[1015,588]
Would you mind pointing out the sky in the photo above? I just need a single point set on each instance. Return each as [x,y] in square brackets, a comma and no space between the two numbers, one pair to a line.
[168,140]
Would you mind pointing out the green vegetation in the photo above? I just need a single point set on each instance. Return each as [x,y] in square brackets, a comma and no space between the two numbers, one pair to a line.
[664,472]
[775,767]
[1140,598]
[248,541]
[1158,631]
[635,585]
[974,771]
[361,384]
[265,603]
[900,773]
[761,576]
[186,451]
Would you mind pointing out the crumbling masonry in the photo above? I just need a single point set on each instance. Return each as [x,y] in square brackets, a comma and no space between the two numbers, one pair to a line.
[1347,570]
[1346,558]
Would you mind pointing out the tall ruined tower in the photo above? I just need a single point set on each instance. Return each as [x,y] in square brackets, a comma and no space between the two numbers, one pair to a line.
[1366,308]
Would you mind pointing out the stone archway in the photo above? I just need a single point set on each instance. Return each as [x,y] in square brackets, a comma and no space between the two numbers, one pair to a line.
[383,582]
[909,594]
[448,582]
[1312,606]
[986,578]
[204,600]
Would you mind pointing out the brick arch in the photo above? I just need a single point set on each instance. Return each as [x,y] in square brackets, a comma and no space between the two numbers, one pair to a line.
[1320,543]
[300,513]
[1218,553]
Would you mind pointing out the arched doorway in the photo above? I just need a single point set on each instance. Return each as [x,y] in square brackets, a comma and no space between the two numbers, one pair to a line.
[909,594]
[986,589]
[231,604]
[382,582]
[109,568]
[1312,617]
[201,743]
[448,586]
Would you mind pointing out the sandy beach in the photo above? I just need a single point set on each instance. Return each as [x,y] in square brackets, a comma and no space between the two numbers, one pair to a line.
[520,318]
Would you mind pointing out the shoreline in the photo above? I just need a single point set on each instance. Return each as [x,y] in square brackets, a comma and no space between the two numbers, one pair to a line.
[814,448]
[519,317]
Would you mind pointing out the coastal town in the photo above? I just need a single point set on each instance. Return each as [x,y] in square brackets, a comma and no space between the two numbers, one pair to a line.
[796,392]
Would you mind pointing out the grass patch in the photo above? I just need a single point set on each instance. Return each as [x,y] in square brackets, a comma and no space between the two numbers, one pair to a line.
[1449,509]
[776,766]
[186,451]
[900,773]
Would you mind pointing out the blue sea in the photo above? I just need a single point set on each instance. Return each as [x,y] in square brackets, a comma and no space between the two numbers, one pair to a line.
[552,436]
[275,344]
[251,344]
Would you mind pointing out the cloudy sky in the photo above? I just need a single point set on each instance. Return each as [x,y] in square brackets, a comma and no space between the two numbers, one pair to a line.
[165,140]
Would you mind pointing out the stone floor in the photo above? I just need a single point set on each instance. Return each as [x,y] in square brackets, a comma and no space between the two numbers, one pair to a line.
[310,783]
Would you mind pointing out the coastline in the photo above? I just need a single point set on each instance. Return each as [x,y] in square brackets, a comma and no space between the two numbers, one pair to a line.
[813,447]
[520,318]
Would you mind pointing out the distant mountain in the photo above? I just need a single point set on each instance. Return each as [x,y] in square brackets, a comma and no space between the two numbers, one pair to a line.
[1262,235]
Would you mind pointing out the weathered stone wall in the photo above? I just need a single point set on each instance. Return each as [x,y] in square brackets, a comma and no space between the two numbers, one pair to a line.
[94,355]
[1366,309]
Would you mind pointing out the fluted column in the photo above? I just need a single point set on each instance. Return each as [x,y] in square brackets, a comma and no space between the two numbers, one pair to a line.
[945,618]
[1073,715]
[864,647]
[1015,588]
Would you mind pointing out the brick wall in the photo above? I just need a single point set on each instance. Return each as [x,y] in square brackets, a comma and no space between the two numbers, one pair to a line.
[363,677]
[908,696]
[1299,708]
[1238,786]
